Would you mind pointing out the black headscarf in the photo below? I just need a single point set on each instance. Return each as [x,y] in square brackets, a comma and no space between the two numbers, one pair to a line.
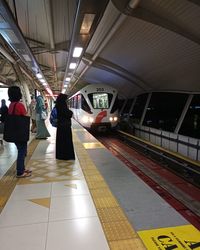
[61,101]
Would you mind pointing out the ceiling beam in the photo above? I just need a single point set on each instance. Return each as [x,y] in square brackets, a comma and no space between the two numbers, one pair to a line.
[49,16]
[150,17]
[121,72]
[142,13]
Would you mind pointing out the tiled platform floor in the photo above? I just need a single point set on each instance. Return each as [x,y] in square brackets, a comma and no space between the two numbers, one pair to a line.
[69,205]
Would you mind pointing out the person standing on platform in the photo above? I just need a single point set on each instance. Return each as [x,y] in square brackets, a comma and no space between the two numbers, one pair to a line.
[3,110]
[64,143]
[3,114]
[32,108]
[15,96]
[41,116]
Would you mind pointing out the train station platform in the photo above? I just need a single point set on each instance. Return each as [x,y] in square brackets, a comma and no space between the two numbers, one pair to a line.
[92,203]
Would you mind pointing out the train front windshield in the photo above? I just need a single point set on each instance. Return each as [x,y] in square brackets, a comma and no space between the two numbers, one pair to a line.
[100,100]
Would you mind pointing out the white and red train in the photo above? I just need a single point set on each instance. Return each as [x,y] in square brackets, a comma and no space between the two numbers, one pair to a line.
[95,107]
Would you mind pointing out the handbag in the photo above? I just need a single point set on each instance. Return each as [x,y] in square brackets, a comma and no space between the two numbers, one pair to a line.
[16,128]
[44,115]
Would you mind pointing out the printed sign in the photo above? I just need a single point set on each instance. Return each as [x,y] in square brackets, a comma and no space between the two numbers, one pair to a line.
[173,238]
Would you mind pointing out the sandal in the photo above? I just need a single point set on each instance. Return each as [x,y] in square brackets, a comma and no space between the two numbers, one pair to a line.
[24,175]
[27,171]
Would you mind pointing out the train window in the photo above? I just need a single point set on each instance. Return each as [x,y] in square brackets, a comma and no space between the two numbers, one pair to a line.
[78,104]
[84,105]
[72,102]
[100,100]
[138,108]
[75,102]
[191,123]
[69,103]
[164,110]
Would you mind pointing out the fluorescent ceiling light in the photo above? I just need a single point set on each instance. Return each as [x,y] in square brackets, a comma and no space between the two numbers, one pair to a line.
[72,65]
[86,24]
[39,76]
[77,51]
[67,79]
[34,69]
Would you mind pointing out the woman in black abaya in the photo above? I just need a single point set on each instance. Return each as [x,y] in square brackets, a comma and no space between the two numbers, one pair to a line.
[64,143]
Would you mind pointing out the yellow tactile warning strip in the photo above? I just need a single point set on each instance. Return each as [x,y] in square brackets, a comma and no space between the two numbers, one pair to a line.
[131,244]
[180,237]
[9,180]
[118,231]
[91,145]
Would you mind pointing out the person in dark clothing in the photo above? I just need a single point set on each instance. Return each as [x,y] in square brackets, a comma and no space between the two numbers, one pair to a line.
[3,111]
[3,114]
[64,143]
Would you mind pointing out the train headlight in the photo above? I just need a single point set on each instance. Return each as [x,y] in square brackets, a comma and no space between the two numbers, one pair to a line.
[85,119]
[113,119]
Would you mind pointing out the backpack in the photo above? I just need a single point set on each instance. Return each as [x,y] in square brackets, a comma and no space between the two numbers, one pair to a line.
[53,117]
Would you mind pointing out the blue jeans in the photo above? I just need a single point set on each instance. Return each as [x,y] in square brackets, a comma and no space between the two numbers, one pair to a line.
[22,151]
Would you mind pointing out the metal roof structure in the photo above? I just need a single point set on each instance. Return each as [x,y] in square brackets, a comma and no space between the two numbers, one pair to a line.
[135,46]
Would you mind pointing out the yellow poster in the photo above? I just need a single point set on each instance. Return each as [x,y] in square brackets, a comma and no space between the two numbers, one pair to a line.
[172,238]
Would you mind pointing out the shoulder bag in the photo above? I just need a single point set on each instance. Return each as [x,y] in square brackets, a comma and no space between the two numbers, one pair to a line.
[44,115]
[16,127]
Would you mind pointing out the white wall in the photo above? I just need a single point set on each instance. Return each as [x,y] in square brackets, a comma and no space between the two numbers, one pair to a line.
[4,95]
